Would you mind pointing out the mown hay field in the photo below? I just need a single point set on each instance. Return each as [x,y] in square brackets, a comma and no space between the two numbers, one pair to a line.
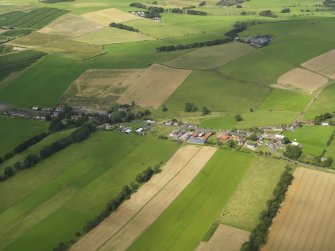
[323,64]
[70,25]
[211,57]
[301,80]
[305,220]
[52,202]
[109,35]
[188,218]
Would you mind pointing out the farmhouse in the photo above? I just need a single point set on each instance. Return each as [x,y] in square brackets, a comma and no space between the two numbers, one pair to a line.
[325,123]
[260,40]
[200,137]
[251,146]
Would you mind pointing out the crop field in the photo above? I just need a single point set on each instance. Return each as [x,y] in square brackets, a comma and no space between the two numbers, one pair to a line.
[121,228]
[107,16]
[17,61]
[250,119]
[305,218]
[158,79]
[70,25]
[57,44]
[210,57]
[36,18]
[301,80]
[250,197]
[53,202]
[109,35]
[14,131]
[225,238]
[312,138]
[323,64]
[183,224]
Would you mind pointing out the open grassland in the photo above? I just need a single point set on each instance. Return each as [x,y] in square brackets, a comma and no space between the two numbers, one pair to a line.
[70,25]
[293,101]
[210,57]
[107,16]
[301,80]
[52,201]
[325,102]
[153,86]
[217,92]
[305,218]
[57,44]
[249,200]
[134,216]
[109,35]
[225,238]
[250,119]
[48,79]
[323,64]
[35,18]
[188,218]
[34,149]
[15,131]
[18,61]
[312,138]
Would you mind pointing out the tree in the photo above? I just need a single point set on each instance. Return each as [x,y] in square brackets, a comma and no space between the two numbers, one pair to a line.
[9,171]
[238,117]
[164,108]
[293,152]
[231,143]
[253,137]
[286,140]
[56,125]
[286,10]
[190,107]
[205,110]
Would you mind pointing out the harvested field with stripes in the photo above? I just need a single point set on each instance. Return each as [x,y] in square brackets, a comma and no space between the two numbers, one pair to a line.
[306,220]
[125,225]
[324,64]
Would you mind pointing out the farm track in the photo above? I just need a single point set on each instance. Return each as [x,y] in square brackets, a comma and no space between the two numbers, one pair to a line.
[122,227]
[305,219]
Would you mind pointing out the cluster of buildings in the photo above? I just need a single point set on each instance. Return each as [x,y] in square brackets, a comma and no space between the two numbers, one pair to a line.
[144,15]
[199,137]
[257,41]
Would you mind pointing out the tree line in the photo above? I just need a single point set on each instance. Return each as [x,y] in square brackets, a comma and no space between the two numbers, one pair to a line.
[31,160]
[123,27]
[320,118]
[259,235]
[112,205]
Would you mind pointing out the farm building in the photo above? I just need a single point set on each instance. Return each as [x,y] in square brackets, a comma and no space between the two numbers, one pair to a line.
[251,146]
[260,40]
[200,137]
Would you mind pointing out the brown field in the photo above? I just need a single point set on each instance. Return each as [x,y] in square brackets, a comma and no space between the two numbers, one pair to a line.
[324,64]
[158,79]
[70,25]
[306,220]
[107,16]
[301,80]
[126,224]
[225,238]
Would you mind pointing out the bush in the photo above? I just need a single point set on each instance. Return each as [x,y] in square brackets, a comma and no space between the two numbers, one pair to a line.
[267,13]
[238,117]
[293,152]
[190,107]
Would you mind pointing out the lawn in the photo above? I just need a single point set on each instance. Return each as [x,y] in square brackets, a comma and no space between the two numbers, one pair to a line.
[244,207]
[56,200]
[250,119]
[312,138]
[187,219]
[15,131]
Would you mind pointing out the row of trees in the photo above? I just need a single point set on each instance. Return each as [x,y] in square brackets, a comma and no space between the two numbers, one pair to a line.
[194,45]
[123,27]
[32,159]
[259,235]
[322,117]
[111,206]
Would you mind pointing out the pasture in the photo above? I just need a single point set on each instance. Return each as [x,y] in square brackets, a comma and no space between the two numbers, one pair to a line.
[312,138]
[70,25]
[107,16]
[250,119]
[157,79]
[304,220]
[323,64]
[301,80]
[134,216]
[183,224]
[109,35]
[210,57]
[53,202]
[15,131]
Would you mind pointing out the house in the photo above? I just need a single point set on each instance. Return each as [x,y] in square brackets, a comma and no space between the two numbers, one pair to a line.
[149,121]
[251,146]
[277,128]
[127,131]
[279,136]
[295,143]
[325,123]
[140,131]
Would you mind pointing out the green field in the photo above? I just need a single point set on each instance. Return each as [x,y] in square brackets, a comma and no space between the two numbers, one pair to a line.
[187,219]
[250,119]
[54,200]
[312,138]
[15,131]
[249,200]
